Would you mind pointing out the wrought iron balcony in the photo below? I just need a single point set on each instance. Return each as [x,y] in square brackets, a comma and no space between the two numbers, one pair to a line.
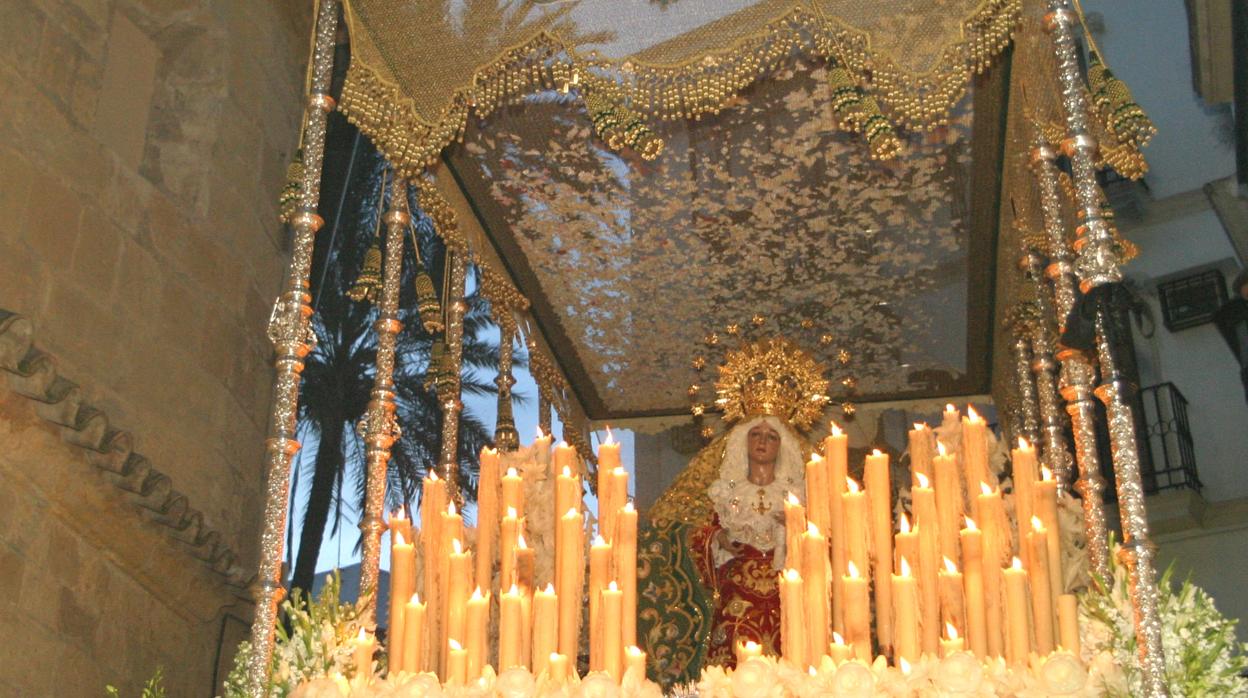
[1168,436]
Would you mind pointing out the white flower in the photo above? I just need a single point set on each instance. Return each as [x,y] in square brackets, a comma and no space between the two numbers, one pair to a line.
[516,682]
[756,678]
[1062,674]
[637,686]
[424,685]
[599,685]
[715,683]
[960,672]
[853,680]
[323,687]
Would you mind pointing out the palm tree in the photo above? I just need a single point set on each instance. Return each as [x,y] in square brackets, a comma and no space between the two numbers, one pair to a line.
[338,373]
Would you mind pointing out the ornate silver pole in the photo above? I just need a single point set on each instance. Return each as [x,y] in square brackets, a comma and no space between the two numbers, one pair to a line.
[1078,374]
[1028,415]
[543,413]
[1055,454]
[381,429]
[288,330]
[505,436]
[1099,264]
[452,405]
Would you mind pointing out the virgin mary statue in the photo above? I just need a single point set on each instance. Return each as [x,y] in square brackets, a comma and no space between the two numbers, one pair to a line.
[715,545]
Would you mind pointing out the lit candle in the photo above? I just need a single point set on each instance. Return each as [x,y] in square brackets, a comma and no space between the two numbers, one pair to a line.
[541,448]
[509,629]
[599,573]
[567,496]
[921,449]
[565,457]
[952,600]
[513,492]
[478,629]
[877,483]
[836,455]
[995,548]
[558,667]
[923,499]
[402,569]
[545,627]
[973,579]
[792,617]
[1023,463]
[508,540]
[413,634]
[855,507]
[817,593]
[608,460]
[948,500]
[907,541]
[364,648]
[1068,621]
[794,525]
[459,581]
[487,512]
[1018,648]
[635,662]
[817,490]
[617,489]
[612,606]
[1045,504]
[432,503]
[571,562]
[625,565]
[747,649]
[456,663]
[1041,598]
[905,613]
[975,449]
[951,643]
[526,563]
[838,650]
[857,613]
[399,523]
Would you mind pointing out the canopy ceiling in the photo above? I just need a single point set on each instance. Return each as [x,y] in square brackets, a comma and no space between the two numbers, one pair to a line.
[765,208]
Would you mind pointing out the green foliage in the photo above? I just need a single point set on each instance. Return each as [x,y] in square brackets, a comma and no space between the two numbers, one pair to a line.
[154,688]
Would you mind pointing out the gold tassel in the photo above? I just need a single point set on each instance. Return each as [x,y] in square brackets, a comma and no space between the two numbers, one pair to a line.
[621,127]
[368,284]
[858,111]
[288,200]
[1122,115]
[427,301]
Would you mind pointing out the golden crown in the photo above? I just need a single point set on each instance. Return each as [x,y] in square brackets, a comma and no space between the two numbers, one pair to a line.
[772,376]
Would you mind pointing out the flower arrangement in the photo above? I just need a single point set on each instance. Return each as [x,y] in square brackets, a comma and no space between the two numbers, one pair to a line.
[1203,657]
[318,643]
[516,682]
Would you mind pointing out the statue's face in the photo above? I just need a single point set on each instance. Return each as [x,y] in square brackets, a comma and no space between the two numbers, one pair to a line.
[764,444]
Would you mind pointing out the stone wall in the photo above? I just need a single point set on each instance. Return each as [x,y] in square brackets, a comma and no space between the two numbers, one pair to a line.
[142,146]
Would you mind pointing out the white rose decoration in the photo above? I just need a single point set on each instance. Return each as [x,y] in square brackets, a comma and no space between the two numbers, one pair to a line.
[960,672]
[516,682]
[755,678]
[599,685]
[853,680]
[324,687]
[714,683]
[424,685]
[1063,675]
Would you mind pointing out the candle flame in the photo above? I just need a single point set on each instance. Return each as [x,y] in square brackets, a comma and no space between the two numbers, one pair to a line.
[397,514]
[812,530]
[837,639]
[950,408]
[970,524]
[454,645]
[876,452]
[905,523]
[415,598]
[791,498]
[477,595]
[433,476]
[922,480]
[550,588]
[362,637]
[905,567]
[904,665]
[1016,564]
[563,444]
[567,472]
[815,458]
[487,449]
[599,541]
[613,586]
[514,590]
[520,542]
[450,509]
[610,441]
[851,485]
[619,470]
[920,426]
[811,671]
[940,448]
[950,631]
[540,433]
[628,507]
[572,512]
[512,513]
[1045,473]
[398,538]
[793,576]
[836,429]
[633,651]
[1023,445]
[512,472]
[852,570]
[984,489]
[457,547]
[972,415]
[950,567]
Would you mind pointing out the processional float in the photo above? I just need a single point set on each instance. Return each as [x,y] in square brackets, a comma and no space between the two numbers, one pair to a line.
[1060,125]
